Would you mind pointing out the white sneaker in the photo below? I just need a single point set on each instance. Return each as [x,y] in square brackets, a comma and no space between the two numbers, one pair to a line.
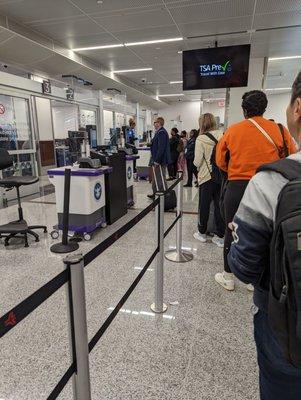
[218,241]
[226,280]
[201,237]
[250,287]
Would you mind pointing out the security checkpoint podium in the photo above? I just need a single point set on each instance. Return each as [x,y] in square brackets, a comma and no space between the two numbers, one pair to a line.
[87,210]
[130,179]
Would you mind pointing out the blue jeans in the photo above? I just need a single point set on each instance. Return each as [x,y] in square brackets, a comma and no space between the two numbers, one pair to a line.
[278,379]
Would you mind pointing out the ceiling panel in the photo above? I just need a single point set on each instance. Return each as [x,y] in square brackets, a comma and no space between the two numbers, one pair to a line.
[100,39]
[163,51]
[5,35]
[90,6]
[212,10]
[147,33]
[278,43]
[61,30]
[213,27]
[118,58]
[57,65]
[277,19]
[135,21]
[22,51]
[271,6]
[33,10]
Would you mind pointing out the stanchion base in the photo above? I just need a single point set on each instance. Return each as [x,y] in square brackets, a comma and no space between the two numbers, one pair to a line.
[61,248]
[153,308]
[182,257]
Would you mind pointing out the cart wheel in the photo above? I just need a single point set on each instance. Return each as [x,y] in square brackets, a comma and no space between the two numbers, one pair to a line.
[55,234]
[104,225]
[87,237]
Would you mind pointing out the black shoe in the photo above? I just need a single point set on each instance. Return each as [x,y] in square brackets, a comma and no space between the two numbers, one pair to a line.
[187,185]
[151,196]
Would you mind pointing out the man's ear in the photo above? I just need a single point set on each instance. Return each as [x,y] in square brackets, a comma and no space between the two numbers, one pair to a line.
[297,110]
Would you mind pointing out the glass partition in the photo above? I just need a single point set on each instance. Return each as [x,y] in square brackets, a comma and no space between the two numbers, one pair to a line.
[15,128]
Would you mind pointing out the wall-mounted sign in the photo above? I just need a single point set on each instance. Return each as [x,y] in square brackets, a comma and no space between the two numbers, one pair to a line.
[70,94]
[2,109]
[46,87]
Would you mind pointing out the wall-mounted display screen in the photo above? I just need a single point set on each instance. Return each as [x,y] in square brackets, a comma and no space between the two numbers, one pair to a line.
[218,67]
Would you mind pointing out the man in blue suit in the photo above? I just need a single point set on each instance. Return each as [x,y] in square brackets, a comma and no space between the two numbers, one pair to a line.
[160,149]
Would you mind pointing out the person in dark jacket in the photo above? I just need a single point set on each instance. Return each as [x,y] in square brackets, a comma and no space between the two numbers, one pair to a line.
[189,155]
[160,149]
[174,142]
[253,228]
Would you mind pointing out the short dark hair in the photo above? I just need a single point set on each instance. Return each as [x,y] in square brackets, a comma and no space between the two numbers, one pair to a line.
[296,88]
[254,103]
[175,130]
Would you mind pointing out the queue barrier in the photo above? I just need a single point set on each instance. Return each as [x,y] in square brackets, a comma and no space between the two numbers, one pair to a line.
[73,275]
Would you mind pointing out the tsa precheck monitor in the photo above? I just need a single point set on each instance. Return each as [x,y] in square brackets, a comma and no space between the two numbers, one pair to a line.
[218,67]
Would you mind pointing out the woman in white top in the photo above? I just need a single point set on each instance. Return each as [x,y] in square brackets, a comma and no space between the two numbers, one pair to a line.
[209,189]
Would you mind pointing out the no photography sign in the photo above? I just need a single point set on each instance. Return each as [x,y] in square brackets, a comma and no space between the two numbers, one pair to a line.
[2,109]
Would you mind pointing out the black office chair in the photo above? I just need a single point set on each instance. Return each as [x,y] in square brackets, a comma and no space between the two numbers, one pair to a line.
[20,227]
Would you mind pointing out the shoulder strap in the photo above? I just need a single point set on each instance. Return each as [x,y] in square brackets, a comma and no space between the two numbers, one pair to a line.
[286,150]
[210,136]
[265,134]
[289,169]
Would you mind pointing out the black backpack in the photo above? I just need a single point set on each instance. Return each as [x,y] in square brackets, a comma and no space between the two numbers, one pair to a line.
[215,174]
[284,308]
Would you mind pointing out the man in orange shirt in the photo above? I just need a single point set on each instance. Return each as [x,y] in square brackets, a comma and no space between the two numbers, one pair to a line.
[242,150]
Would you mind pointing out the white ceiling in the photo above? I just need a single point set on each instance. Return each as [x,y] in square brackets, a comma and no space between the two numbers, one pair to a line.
[80,23]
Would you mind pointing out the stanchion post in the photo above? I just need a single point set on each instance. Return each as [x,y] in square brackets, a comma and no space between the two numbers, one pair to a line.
[158,306]
[78,326]
[65,246]
[179,255]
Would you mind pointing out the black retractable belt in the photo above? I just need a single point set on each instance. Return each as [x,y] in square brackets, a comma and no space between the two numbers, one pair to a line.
[27,306]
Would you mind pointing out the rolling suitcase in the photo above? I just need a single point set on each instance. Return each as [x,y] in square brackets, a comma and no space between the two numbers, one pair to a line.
[170,201]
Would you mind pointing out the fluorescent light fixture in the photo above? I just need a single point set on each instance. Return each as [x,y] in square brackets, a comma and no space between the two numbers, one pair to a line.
[120,71]
[175,82]
[178,39]
[276,89]
[171,95]
[108,46]
[112,46]
[284,58]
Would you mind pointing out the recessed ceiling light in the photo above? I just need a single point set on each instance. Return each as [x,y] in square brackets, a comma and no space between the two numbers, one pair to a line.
[132,70]
[108,46]
[154,41]
[175,82]
[171,95]
[284,58]
[99,1]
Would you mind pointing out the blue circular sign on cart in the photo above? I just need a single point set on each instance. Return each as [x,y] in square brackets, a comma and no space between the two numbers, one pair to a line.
[97,191]
[130,173]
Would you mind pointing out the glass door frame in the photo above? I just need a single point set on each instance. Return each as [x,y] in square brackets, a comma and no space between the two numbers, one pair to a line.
[30,189]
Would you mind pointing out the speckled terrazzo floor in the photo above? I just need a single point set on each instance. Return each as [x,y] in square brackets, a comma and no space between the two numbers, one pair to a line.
[202,349]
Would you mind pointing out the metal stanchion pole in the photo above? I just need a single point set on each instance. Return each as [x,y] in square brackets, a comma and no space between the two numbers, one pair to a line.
[158,306]
[65,246]
[179,255]
[78,325]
